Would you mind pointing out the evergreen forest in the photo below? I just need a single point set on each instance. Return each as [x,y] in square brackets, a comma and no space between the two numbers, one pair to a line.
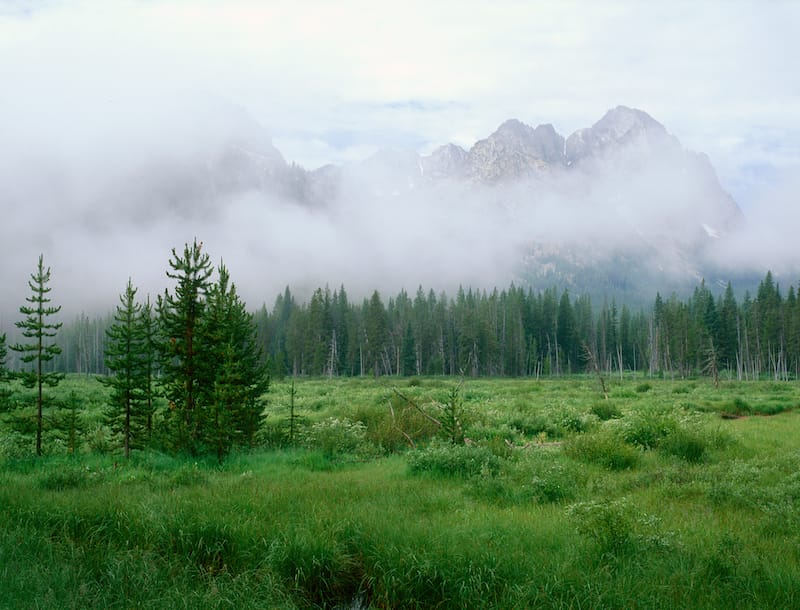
[509,332]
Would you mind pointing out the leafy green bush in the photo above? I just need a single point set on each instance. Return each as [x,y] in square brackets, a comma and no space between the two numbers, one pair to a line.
[453,461]
[685,444]
[605,410]
[554,483]
[646,429]
[603,448]
[644,387]
[68,476]
[533,425]
[14,445]
[608,524]
[739,406]
[273,434]
[389,431]
[615,526]
[334,436]
[573,421]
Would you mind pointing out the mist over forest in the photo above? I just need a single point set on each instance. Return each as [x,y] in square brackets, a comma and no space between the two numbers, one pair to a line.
[106,200]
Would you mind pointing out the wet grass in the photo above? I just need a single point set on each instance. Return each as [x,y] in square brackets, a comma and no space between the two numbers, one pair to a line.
[555,502]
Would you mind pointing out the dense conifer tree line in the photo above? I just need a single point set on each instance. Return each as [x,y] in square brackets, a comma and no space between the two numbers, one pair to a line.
[509,332]
[519,332]
[201,356]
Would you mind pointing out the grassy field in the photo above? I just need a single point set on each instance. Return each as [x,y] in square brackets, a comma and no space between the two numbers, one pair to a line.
[669,494]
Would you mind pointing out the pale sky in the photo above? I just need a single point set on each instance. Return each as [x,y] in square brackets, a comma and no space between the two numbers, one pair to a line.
[335,81]
[93,93]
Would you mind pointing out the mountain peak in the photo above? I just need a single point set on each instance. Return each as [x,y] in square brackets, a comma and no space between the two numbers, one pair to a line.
[515,150]
[623,120]
[620,127]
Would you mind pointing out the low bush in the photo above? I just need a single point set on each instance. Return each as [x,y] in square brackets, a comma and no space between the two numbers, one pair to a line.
[605,410]
[608,524]
[646,429]
[390,431]
[739,406]
[66,477]
[617,527]
[603,448]
[685,444]
[453,461]
[186,476]
[573,421]
[334,436]
[554,482]
[533,425]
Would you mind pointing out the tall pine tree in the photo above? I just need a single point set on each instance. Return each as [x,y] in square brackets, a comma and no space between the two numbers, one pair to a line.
[127,356]
[4,393]
[180,319]
[233,363]
[3,354]
[41,349]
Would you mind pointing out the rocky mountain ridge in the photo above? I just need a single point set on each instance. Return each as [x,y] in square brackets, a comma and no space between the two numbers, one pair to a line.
[623,189]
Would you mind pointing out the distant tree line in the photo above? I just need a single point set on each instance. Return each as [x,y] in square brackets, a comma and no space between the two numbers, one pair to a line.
[515,332]
[188,371]
[522,332]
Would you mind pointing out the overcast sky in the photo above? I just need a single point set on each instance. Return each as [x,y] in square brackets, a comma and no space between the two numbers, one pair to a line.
[334,81]
[98,84]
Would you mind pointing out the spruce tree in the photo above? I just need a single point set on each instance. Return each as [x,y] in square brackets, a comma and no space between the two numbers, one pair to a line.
[127,357]
[180,317]
[233,362]
[149,327]
[376,331]
[409,352]
[41,349]
[3,354]
[68,424]
[4,393]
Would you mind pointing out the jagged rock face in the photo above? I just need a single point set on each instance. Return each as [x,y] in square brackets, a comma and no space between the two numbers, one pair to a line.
[625,172]
[515,151]
[448,161]
[621,130]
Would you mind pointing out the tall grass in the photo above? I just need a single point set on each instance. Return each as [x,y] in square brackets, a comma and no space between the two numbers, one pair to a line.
[704,516]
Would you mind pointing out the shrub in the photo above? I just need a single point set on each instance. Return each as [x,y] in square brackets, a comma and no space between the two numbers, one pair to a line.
[604,449]
[14,445]
[389,431]
[605,410]
[68,476]
[739,406]
[616,526]
[453,461]
[686,445]
[334,436]
[644,387]
[554,483]
[646,429]
[572,421]
[533,425]
[607,524]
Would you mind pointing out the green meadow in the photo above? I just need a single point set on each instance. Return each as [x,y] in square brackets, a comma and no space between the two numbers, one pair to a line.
[425,493]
